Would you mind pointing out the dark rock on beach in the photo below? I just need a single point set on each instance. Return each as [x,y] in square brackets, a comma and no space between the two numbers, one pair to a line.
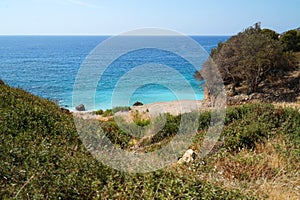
[138,104]
[80,107]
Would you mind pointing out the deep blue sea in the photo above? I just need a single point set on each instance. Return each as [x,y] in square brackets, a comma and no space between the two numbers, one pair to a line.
[47,66]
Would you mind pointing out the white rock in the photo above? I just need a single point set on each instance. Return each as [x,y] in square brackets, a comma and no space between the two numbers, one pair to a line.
[187,157]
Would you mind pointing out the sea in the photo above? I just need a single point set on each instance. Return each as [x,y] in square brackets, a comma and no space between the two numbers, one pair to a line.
[48,66]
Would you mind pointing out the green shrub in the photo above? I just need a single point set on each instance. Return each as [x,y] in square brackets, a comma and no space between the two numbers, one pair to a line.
[116,135]
[107,113]
[253,123]
[121,109]
[42,156]
[110,112]
[142,123]
[99,112]
[170,129]
[204,120]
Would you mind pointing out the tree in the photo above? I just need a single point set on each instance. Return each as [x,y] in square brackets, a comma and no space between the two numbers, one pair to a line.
[291,40]
[271,33]
[249,58]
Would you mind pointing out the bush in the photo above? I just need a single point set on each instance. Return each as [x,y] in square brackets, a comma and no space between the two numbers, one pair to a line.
[121,109]
[110,112]
[204,120]
[291,40]
[116,135]
[107,113]
[99,112]
[170,129]
[42,156]
[142,123]
[253,123]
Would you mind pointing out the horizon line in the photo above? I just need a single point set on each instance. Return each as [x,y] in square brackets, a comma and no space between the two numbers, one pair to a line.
[95,35]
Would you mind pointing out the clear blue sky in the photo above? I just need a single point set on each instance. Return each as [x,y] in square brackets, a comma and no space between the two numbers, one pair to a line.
[109,17]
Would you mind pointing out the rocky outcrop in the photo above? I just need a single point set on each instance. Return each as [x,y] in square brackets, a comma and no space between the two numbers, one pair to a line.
[206,94]
[80,107]
[243,98]
[284,87]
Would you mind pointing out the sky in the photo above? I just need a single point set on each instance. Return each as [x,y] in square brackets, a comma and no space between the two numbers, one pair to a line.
[112,17]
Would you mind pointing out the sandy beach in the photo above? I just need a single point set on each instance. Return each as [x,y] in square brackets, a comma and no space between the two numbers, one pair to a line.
[173,107]
[152,110]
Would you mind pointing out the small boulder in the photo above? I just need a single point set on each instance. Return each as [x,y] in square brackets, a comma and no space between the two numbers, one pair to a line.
[138,103]
[188,156]
[80,107]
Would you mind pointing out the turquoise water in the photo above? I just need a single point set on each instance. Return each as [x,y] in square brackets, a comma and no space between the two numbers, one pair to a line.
[47,66]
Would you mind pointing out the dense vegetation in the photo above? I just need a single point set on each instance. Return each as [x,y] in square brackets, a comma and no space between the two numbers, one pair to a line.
[291,40]
[255,56]
[43,158]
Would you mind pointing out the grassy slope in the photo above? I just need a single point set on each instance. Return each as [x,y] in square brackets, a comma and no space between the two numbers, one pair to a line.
[42,157]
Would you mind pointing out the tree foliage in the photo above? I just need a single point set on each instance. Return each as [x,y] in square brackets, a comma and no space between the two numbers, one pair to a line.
[271,33]
[250,57]
[291,40]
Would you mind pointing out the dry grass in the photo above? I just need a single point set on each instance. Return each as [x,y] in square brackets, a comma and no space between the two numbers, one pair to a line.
[295,105]
[286,186]
[263,172]
[286,183]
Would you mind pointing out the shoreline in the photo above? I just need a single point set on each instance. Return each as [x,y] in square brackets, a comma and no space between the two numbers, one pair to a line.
[173,107]
[199,103]
[152,110]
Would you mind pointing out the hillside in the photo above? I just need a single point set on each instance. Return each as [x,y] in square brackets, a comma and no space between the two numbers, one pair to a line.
[43,158]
